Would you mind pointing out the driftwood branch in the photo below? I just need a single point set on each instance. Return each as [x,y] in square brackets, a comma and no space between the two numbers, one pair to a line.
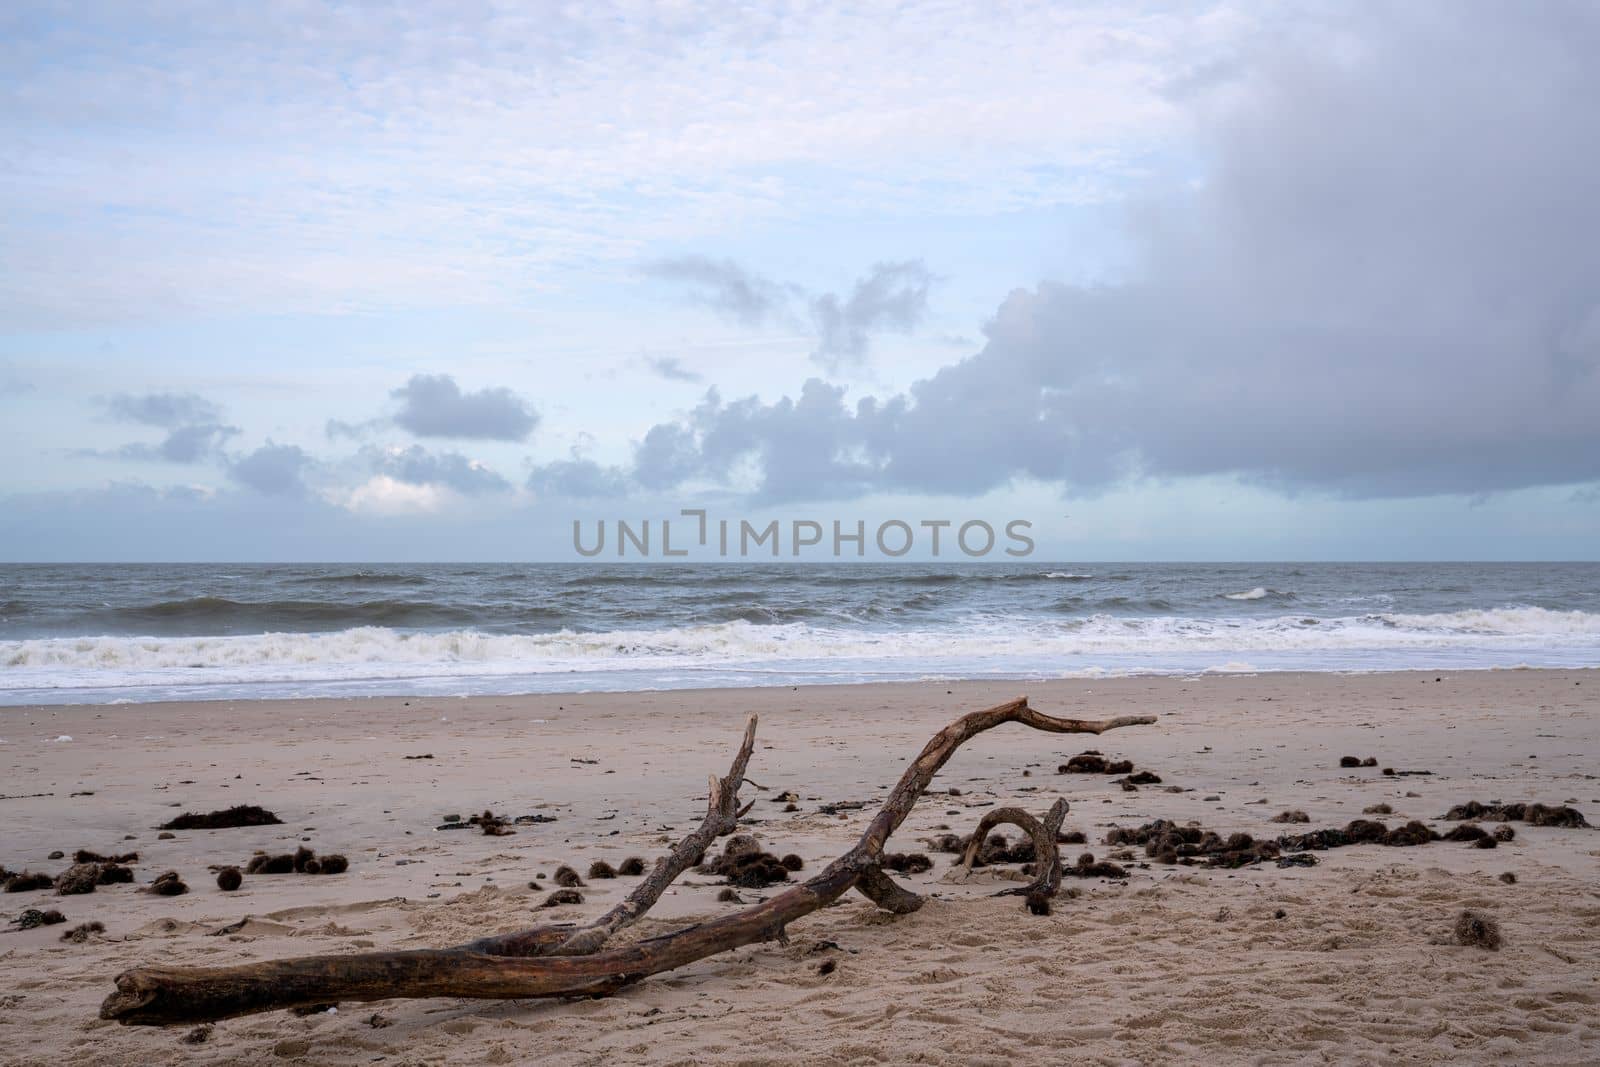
[1046,851]
[566,961]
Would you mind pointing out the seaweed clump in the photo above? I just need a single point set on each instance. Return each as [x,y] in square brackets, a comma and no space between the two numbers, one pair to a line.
[83,855]
[1477,931]
[744,864]
[82,932]
[25,881]
[1092,762]
[78,879]
[562,896]
[491,824]
[226,819]
[302,861]
[35,917]
[631,867]
[1088,867]
[1532,814]
[167,884]
[1167,842]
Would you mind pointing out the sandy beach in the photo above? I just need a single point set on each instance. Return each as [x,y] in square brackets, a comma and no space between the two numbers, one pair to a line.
[1351,960]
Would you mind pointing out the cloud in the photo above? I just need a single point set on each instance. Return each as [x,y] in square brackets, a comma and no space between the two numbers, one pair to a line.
[891,297]
[449,470]
[194,430]
[185,444]
[167,410]
[727,288]
[631,129]
[1385,285]
[337,428]
[434,406]
[578,479]
[673,370]
[13,384]
[383,495]
[275,470]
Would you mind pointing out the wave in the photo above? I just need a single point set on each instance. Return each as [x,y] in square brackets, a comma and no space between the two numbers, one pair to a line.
[1258,593]
[1068,576]
[979,644]
[248,615]
[361,578]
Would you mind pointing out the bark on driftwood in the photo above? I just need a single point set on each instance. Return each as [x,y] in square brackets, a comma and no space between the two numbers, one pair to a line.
[1046,852]
[566,960]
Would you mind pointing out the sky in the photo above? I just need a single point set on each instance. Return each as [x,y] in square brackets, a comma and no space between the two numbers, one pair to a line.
[1186,281]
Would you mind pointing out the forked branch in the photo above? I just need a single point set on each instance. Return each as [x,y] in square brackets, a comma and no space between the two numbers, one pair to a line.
[564,961]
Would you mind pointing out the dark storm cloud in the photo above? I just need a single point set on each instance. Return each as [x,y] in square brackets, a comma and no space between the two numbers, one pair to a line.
[275,470]
[891,297]
[417,466]
[194,428]
[433,405]
[1387,284]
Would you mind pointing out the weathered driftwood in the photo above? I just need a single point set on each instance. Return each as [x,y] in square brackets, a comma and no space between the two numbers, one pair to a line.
[565,960]
[1046,853]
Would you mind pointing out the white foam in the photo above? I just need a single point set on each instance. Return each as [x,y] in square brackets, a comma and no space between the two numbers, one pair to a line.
[1258,593]
[276,663]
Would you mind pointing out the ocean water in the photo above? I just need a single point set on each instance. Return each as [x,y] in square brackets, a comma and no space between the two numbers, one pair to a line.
[128,633]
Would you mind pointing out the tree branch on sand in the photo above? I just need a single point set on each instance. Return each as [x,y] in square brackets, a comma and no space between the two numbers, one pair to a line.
[566,960]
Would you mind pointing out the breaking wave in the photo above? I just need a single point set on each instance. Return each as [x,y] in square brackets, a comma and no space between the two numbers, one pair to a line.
[685,655]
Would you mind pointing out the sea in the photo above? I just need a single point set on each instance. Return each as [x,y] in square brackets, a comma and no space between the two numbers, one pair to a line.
[129,633]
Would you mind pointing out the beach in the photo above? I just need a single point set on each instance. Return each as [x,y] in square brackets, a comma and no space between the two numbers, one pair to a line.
[1350,960]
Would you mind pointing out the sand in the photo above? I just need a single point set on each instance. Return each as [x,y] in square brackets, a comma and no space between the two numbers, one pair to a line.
[1177,964]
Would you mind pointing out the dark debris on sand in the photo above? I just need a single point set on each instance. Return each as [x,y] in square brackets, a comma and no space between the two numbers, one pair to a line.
[744,864]
[35,917]
[78,879]
[562,896]
[1088,867]
[167,884]
[26,881]
[906,863]
[226,819]
[1532,814]
[302,861]
[83,855]
[81,933]
[1168,842]
[1092,762]
[631,867]
[1477,931]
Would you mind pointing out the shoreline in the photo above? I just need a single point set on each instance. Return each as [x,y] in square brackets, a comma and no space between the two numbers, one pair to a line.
[1175,963]
[1017,682]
